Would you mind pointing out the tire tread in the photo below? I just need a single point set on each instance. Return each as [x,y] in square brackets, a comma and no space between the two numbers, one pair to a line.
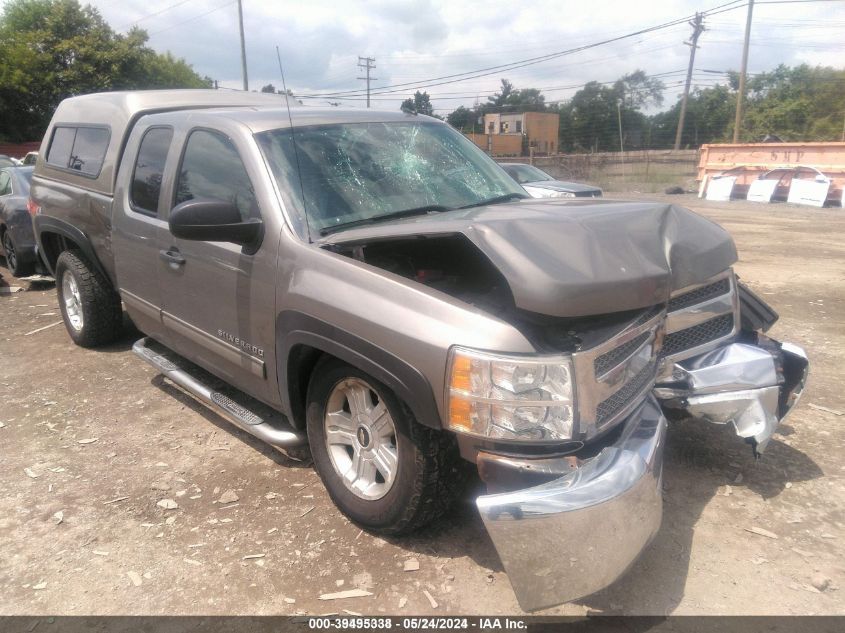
[101,307]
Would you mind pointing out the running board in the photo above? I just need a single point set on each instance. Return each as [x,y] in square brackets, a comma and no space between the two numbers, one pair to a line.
[221,404]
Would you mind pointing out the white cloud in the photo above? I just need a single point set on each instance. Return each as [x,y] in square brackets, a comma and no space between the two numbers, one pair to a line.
[320,41]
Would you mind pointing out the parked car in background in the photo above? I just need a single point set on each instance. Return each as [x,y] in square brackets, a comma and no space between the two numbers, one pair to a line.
[16,234]
[539,184]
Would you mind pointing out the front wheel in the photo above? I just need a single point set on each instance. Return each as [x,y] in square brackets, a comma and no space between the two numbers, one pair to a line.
[90,307]
[382,468]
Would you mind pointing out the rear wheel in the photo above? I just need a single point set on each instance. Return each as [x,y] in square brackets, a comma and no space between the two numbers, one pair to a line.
[90,307]
[382,468]
[13,262]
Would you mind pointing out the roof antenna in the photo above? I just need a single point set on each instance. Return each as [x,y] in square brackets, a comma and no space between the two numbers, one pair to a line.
[295,151]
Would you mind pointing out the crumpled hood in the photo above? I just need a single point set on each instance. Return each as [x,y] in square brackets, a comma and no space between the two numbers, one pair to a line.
[573,258]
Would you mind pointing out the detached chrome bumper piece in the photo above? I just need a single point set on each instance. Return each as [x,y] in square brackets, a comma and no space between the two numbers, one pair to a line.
[575,535]
[753,387]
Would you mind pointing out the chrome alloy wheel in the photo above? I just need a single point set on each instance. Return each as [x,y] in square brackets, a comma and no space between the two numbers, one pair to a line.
[73,302]
[361,439]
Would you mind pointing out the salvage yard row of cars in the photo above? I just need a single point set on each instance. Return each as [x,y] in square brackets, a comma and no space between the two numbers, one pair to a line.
[373,286]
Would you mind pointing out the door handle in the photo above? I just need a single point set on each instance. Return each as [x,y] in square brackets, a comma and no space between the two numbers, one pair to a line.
[172,257]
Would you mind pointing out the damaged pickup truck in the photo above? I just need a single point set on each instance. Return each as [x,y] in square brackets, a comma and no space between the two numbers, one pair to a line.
[374,286]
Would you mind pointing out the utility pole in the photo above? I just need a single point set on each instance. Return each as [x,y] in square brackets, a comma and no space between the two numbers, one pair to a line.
[697,29]
[367,63]
[619,116]
[243,45]
[740,96]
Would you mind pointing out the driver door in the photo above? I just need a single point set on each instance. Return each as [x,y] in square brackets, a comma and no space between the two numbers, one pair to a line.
[218,298]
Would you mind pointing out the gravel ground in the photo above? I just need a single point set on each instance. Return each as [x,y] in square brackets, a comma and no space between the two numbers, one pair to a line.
[121,495]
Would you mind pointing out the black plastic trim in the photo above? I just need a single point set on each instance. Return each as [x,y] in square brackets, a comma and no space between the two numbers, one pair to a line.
[295,328]
[46,224]
[754,313]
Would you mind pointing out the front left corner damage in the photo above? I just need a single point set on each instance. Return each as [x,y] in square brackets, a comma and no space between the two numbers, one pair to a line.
[576,535]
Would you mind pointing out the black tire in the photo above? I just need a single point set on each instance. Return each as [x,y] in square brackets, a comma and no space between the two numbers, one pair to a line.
[13,262]
[102,315]
[430,473]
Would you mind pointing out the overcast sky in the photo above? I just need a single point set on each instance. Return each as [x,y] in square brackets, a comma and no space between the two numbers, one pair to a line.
[412,41]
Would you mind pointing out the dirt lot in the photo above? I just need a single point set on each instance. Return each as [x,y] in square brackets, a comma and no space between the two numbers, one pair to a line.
[92,440]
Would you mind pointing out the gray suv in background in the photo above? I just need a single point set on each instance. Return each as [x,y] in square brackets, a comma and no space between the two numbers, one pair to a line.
[372,284]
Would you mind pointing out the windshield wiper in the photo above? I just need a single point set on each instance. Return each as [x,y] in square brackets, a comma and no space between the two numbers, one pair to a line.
[505,198]
[404,213]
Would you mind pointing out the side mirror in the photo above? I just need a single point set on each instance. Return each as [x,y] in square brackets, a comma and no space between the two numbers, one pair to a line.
[214,221]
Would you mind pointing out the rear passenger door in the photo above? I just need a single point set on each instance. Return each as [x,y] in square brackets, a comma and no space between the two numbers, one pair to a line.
[138,219]
[218,297]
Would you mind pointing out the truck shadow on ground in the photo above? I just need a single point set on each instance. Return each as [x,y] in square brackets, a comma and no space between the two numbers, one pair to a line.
[224,425]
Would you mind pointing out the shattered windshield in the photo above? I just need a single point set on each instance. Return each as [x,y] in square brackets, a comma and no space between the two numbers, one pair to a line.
[357,172]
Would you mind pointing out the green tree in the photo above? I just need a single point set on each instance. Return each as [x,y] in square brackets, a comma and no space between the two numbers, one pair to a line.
[589,121]
[53,49]
[802,103]
[637,90]
[461,118]
[421,104]
[511,99]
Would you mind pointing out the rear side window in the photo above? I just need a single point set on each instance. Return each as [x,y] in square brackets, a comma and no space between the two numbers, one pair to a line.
[81,149]
[149,169]
[61,147]
[212,168]
[5,183]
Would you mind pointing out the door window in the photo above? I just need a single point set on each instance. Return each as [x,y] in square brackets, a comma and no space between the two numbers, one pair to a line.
[149,169]
[211,168]
[5,183]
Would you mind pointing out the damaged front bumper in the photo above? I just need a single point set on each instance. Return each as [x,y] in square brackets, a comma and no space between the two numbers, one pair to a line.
[752,387]
[578,533]
[575,535]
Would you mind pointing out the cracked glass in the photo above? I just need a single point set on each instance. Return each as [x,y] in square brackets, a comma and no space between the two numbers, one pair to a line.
[347,173]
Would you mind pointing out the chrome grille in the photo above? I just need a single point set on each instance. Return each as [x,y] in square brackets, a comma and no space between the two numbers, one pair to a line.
[701,317]
[693,297]
[610,407]
[698,335]
[611,359]
[613,377]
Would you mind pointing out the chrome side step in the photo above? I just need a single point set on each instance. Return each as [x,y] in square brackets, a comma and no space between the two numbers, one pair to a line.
[221,404]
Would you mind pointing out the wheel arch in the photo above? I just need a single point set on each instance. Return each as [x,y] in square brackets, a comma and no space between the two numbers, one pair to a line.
[55,236]
[301,340]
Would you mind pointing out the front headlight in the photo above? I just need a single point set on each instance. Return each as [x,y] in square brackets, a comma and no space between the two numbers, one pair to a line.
[563,194]
[510,397]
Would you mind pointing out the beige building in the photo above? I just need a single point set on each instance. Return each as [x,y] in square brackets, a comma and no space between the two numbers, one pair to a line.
[540,130]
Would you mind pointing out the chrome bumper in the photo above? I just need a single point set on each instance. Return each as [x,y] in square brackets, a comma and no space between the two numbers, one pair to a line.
[752,387]
[575,535]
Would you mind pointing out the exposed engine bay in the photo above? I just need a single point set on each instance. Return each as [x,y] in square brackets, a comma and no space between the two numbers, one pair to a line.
[455,266]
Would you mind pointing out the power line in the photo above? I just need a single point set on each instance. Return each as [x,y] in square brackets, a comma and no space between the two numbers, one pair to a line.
[491,70]
[191,19]
[152,15]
